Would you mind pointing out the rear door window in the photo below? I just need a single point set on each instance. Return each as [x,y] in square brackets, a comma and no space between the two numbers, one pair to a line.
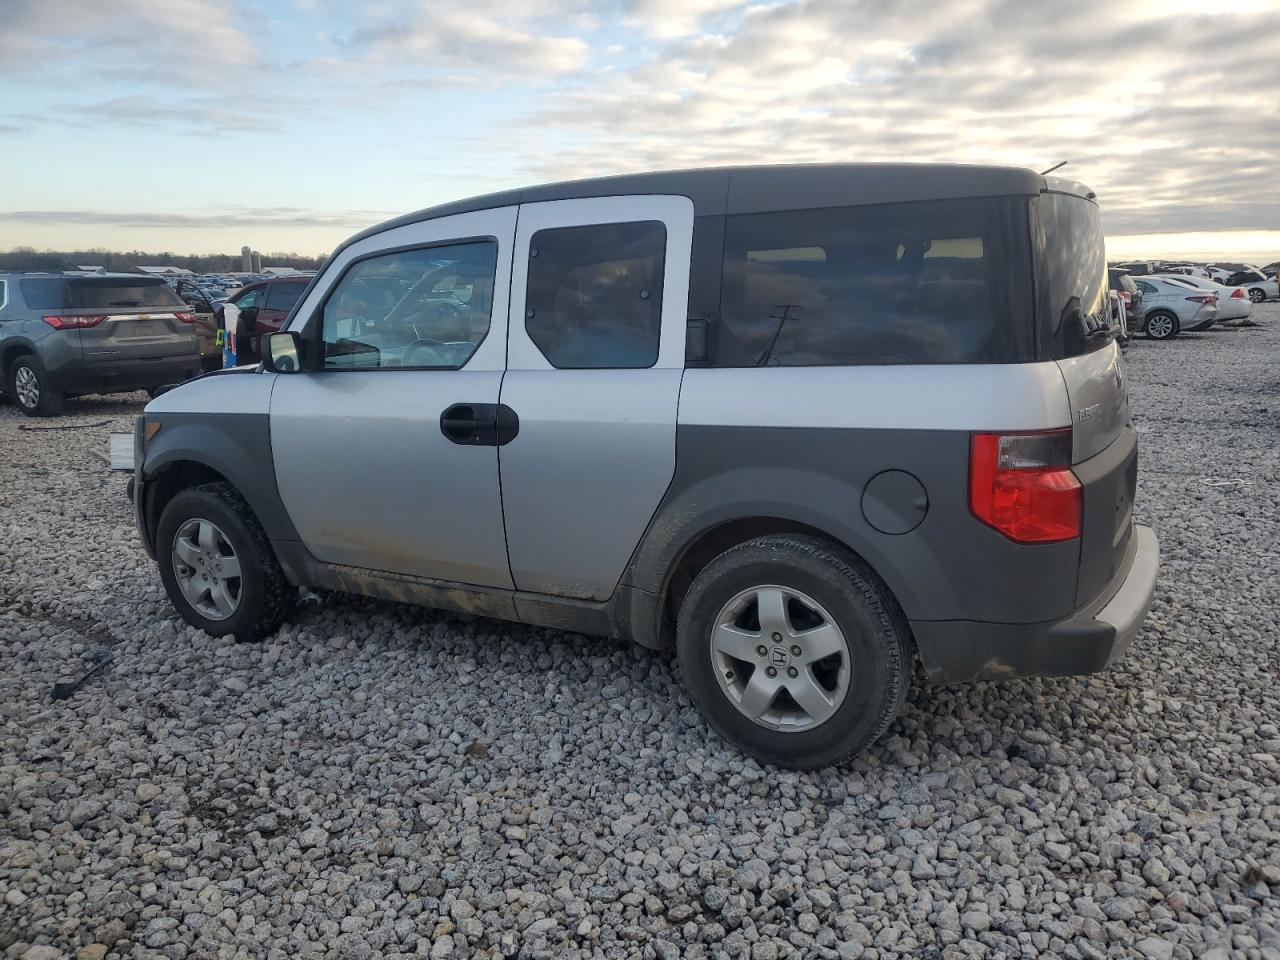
[121,293]
[282,296]
[594,295]
[44,293]
[929,282]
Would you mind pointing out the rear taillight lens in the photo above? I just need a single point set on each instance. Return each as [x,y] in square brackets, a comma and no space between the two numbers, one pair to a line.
[1237,294]
[1021,484]
[1207,299]
[186,317]
[73,323]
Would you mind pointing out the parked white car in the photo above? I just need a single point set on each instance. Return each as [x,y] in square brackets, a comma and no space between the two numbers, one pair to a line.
[1170,306]
[1256,284]
[1233,302]
[1183,269]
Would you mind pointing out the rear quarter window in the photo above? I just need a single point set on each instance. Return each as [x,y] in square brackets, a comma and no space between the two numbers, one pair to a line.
[44,293]
[930,282]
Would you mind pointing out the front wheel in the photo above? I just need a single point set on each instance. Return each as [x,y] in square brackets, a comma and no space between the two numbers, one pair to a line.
[792,652]
[217,565]
[1257,294]
[1162,325]
[31,389]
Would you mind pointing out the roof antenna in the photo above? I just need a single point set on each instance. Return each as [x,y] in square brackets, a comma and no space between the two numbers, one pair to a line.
[1056,166]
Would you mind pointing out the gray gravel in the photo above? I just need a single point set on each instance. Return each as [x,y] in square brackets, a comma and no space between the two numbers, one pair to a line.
[382,780]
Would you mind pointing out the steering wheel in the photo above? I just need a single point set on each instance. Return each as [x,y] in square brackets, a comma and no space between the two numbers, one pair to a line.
[443,312]
[436,356]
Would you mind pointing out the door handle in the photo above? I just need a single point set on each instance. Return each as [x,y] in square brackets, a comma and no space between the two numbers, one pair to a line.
[479,424]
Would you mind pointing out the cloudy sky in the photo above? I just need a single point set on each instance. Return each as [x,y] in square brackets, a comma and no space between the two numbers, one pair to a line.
[199,125]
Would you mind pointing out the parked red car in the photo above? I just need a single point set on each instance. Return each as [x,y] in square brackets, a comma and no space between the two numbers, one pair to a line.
[263,305]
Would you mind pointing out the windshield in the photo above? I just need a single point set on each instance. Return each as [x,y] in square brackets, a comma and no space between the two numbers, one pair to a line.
[107,292]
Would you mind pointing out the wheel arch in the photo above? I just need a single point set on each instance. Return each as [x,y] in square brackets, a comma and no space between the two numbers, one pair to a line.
[700,543]
[192,449]
[11,351]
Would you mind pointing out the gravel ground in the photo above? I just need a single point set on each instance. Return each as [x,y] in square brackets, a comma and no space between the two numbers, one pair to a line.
[382,780]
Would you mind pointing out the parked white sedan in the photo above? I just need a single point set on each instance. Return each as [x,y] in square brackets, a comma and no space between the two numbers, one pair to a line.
[1169,307]
[1233,302]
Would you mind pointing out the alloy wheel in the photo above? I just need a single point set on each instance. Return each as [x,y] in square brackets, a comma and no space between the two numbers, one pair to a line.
[1160,326]
[780,658]
[27,386]
[207,569]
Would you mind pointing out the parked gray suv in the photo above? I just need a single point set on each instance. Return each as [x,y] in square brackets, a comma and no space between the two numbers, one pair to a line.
[65,334]
[804,423]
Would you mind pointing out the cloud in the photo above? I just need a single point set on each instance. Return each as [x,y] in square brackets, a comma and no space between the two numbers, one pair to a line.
[173,39]
[241,217]
[1169,117]
[675,18]
[194,115]
[485,39]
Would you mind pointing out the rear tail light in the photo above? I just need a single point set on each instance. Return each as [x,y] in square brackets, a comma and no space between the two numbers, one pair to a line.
[1022,486]
[1210,298]
[186,317]
[73,323]
[1237,294]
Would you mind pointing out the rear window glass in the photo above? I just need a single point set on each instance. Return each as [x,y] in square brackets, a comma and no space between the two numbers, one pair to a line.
[594,297]
[121,292]
[44,293]
[930,282]
[282,296]
[1072,275]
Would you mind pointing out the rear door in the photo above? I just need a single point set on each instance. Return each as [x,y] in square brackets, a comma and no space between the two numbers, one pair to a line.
[142,318]
[599,306]
[280,298]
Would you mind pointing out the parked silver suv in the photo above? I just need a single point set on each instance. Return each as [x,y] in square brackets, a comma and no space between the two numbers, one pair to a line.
[68,334]
[805,423]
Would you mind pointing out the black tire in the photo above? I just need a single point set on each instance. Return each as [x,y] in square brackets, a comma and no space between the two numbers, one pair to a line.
[49,398]
[265,594]
[1173,330]
[1257,294]
[875,639]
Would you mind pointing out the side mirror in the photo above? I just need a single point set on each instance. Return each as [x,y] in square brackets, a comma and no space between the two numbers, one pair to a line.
[281,352]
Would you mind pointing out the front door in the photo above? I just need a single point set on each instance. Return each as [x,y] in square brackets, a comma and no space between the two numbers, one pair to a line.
[409,324]
[599,304]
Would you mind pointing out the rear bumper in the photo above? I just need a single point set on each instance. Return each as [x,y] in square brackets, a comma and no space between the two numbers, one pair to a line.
[116,376]
[1092,639]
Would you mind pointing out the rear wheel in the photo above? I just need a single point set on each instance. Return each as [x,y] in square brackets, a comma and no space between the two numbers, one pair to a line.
[1257,294]
[217,565]
[1162,325]
[31,389]
[792,652]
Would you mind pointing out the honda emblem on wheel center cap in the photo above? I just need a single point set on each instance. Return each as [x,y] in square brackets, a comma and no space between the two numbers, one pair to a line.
[779,657]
